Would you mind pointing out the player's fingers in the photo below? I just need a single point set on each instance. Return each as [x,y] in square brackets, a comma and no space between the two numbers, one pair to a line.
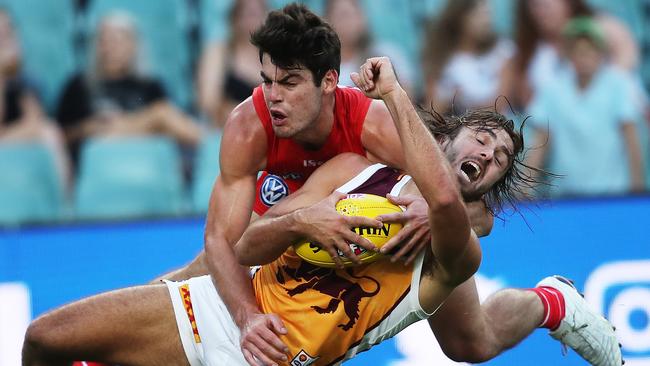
[412,240]
[405,248]
[370,75]
[393,242]
[415,244]
[337,196]
[260,357]
[400,217]
[352,237]
[248,356]
[277,324]
[356,79]
[344,247]
[362,221]
[363,74]
[411,257]
[335,257]
[272,346]
[401,200]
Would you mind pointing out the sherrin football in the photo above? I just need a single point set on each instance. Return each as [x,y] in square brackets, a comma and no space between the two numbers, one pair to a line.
[358,204]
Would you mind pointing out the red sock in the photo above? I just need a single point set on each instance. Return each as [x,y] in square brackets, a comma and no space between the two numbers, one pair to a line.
[553,303]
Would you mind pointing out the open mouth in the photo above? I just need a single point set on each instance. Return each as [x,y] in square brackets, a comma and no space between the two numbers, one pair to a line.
[277,116]
[471,171]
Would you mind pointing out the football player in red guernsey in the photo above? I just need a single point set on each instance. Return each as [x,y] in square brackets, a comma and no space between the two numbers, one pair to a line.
[295,121]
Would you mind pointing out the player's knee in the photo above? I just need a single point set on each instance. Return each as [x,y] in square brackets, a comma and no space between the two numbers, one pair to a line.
[467,350]
[40,339]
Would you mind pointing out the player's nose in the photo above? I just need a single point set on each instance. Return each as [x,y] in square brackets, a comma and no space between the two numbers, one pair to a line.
[275,95]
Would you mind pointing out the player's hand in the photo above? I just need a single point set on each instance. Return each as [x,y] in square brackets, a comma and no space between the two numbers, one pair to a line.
[325,226]
[415,234]
[260,342]
[376,78]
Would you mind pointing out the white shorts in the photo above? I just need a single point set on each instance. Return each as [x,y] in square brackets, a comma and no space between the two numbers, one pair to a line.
[208,332]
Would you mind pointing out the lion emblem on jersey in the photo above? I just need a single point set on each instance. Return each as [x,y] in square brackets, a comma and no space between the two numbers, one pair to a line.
[328,282]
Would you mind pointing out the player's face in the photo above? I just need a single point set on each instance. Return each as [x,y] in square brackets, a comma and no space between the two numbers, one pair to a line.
[479,159]
[293,99]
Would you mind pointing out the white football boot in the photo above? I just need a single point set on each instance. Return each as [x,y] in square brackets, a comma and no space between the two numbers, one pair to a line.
[586,332]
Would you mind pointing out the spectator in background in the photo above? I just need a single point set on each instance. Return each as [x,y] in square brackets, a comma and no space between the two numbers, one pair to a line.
[463,58]
[114,97]
[23,117]
[584,120]
[229,70]
[538,38]
[350,23]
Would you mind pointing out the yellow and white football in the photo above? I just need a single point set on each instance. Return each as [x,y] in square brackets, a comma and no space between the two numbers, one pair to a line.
[357,204]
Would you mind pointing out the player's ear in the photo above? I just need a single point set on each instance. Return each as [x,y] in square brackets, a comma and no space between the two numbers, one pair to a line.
[330,81]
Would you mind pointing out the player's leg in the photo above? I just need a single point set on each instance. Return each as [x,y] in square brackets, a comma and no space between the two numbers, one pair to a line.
[133,326]
[469,331]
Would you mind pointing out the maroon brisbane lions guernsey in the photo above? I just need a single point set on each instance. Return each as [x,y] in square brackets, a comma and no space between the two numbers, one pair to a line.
[288,165]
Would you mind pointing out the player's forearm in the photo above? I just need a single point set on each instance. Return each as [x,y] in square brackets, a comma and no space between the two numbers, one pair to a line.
[232,280]
[267,238]
[425,161]
[427,164]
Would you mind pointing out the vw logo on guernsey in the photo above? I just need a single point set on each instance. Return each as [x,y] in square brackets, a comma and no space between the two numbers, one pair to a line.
[273,190]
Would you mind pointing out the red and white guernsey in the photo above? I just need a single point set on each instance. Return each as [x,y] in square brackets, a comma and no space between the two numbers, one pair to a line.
[288,165]
[331,314]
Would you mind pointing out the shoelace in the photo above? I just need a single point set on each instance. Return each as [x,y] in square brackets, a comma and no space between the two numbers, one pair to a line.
[574,329]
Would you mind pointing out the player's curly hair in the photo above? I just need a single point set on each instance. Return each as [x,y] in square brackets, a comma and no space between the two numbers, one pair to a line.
[294,37]
[518,180]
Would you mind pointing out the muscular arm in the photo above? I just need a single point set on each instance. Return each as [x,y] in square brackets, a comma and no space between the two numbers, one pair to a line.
[381,141]
[453,243]
[242,154]
[379,137]
[426,163]
[309,213]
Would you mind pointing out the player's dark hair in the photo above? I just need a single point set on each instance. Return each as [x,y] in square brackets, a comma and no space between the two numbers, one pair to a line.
[518,179]
[294,37]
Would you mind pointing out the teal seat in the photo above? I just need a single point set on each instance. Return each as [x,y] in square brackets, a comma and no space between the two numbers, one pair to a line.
[129,177]
[206,170]
[30,187]
[46,32]
[162,25]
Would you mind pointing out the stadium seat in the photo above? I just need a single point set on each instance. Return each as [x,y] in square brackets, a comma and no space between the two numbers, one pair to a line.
[30,187]
[206,169]
[46,32]
[129,177]
[162,25]
[393,22]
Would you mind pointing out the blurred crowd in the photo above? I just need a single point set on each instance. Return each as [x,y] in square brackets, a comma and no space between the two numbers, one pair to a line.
[113,108]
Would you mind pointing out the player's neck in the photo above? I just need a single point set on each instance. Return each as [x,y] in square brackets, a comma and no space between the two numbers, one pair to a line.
[316,135]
